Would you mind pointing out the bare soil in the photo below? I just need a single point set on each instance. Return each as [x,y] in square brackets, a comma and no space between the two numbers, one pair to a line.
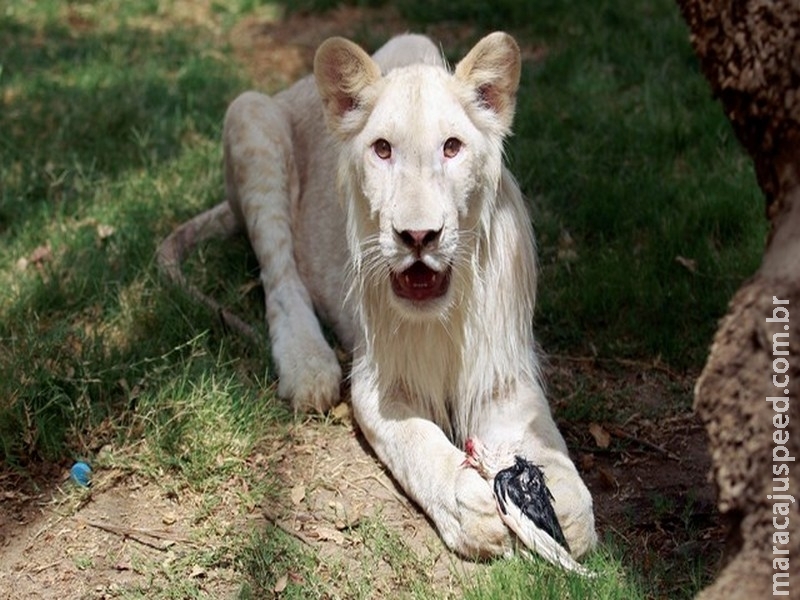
[131,532]
[648,473]
[648,468]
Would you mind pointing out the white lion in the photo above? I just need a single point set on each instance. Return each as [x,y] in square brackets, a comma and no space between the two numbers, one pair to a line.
[399,226]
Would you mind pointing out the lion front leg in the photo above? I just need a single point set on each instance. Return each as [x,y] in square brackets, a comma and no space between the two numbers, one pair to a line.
[261,181]
[431,470]
[524,425]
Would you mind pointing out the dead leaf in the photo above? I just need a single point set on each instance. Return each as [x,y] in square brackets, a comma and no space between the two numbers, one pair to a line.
[587,461]
[168,518]
[689,263]
[281,584]
[566,247]
[326,534]
[105,231]
[607,478]
[41,254]
[345,517]
[197,572]
[341,412]
[298,493]
[601,437]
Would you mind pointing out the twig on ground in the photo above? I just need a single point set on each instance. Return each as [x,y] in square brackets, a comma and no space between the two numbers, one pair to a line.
[614,430]
[626,362]
[134,534]
[42,568]
[285,528]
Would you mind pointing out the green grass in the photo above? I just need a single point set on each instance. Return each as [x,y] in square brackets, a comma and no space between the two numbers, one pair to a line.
[388,566]
[116,128]
[516,578]
[110,118]
[618,144]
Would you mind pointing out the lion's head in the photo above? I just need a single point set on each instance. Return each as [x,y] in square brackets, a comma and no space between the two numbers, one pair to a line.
[420,165]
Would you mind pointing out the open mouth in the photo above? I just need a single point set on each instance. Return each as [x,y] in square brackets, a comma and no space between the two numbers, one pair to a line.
[420,283]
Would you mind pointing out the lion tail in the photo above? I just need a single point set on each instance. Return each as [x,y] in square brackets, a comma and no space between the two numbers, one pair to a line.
[218,222]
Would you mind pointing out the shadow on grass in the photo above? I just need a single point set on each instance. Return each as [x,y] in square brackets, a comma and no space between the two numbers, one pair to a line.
[93,121]
[80,106]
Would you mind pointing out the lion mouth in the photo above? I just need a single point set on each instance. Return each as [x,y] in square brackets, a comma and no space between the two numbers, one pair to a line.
[420,283]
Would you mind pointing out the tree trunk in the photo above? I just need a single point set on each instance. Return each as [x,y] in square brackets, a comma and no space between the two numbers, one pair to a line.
[750,53]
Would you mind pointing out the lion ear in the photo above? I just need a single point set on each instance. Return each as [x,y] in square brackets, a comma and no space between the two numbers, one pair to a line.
[344,75]
[492,70]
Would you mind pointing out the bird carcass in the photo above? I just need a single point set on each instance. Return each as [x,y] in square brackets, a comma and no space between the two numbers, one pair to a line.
[524,503]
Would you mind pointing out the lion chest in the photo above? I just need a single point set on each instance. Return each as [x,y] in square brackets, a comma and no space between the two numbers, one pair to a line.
[429,367]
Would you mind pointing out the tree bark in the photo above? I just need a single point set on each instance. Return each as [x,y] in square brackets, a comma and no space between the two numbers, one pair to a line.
[749,51]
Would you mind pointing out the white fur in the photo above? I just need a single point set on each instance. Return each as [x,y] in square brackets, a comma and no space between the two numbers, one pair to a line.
[428,374]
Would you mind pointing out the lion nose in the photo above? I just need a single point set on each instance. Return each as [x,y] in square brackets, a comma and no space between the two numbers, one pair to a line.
[418,239]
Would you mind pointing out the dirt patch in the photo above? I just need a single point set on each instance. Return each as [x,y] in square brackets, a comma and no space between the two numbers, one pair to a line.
[277,50]
[334,486]
[647,467]
[662,498]
[129,533]
[124,533]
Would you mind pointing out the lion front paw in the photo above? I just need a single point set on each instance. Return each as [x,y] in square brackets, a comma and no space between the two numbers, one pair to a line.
[476,531]
[312,383]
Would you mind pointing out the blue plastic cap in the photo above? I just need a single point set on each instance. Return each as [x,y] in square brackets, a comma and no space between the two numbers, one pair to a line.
[81,473]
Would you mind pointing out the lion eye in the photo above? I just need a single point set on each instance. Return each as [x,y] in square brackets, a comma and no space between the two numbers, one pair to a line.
[452,147]
[382,149]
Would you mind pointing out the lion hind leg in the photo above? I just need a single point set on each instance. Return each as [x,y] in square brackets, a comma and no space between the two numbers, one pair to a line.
[262,182]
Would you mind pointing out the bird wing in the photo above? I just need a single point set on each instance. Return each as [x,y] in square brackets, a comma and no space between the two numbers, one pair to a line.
[525,485]
[534,538]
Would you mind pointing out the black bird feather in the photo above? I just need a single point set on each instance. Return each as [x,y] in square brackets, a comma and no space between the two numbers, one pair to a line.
[523,483]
